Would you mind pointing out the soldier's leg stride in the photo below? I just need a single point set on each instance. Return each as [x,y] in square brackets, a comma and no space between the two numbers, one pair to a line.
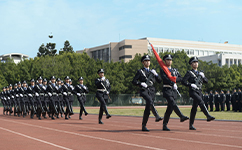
[155,113]
[100,115]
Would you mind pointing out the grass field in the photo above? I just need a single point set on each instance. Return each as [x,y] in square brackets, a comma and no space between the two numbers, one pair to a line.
[186,111]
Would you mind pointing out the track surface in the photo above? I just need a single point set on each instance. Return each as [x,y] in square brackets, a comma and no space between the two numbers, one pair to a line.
[117,133]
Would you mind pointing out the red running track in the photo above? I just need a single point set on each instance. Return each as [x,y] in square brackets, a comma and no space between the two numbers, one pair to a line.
[117,133]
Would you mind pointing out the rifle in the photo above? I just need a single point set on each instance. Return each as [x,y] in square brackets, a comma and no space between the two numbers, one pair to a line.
[106,91]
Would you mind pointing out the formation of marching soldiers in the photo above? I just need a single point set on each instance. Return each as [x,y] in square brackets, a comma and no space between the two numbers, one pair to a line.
[41,98]
[221,99]
[54,98]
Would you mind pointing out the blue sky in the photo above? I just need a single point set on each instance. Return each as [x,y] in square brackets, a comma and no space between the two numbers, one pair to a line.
[26,24]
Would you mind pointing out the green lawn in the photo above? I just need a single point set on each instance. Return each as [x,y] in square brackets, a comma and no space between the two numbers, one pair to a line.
[186,111]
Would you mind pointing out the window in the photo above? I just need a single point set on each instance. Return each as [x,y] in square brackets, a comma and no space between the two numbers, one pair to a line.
[166,49]
[239,61]
[201,53]
[186,51]
[227,61]
[219,63]
[125,56]
[172,50]
[191,52]
[196,52]
[235,61]
[125,46]
[231,62]
[160,49]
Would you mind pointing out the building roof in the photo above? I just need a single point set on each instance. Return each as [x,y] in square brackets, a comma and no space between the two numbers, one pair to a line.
[16,54]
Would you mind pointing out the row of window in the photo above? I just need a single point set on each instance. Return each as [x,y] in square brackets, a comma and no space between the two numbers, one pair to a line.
[191,51]
[125,56]
[102,54]
[233,61]
[125,46]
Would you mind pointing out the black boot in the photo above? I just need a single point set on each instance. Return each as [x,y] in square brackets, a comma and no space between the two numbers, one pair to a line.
[179,113]
[206,113]
[80,114]
[165,122]
[155,113]
[191,121]
[4,109]
[144,122]
[66,117]
[106,112]
[100,121]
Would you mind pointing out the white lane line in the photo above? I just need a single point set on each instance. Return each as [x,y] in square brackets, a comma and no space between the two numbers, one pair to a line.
[165,138]
[32,138]
[175,139]
[87,136]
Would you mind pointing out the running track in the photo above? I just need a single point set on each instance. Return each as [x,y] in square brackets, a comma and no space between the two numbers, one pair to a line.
[117,133]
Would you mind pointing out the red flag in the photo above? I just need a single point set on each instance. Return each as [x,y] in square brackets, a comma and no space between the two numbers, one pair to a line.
[162,64]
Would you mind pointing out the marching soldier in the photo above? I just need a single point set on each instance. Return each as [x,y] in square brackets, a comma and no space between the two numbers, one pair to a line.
[222,100]
[39,89]
[16,97]
[60,98]
[194,80]
[46,99]
[170,92]
[102,94]
[3,98]
[18,93]
[66,96]
[211,99]
[71,95]
[52,90]
[240,100]
[235,100]
[23,97]
[206,99]
[228,99]
[216,101]
[9,99]
[32,99]
[145,79]
[81,91]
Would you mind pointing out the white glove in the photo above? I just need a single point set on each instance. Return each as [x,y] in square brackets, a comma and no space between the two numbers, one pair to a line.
[5,98]
[8,97]
[201,74]
[21,95]
[144,85]
[107,92]
[49,94]
[103,78]
[65,93]
[78,94]
[36,94]
[17,95]
[30,95]
[154,72]
[12,96]
[194,86]
[175,86]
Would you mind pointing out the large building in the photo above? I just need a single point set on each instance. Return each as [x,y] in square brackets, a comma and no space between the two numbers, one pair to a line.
[127,49]
[17,57]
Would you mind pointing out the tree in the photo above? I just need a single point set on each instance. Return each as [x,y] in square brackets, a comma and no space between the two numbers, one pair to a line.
[49,49]
[67,48]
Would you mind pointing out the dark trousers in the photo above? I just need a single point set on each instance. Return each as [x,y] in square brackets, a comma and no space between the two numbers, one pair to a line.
[227,105]
[211,105]
[216,105]
[103,99]
[82,101]
[197,100]
[222,105]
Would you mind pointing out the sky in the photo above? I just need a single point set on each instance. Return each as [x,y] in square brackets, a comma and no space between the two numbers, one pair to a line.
[26,24]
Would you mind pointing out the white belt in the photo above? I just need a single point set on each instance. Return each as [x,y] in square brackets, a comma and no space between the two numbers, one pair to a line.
[102,90]
[167,86]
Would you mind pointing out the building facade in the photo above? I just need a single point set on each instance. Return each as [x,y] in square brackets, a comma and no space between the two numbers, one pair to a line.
[17,57]
[127,49]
